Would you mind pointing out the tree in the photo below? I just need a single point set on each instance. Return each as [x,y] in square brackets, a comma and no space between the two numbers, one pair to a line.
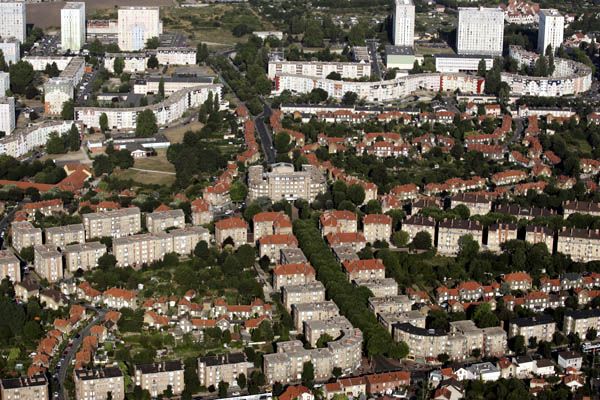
[153,62]
[152,43]
[484,317]
[349,98]
[201,53]
[457,151]
[250,211]
[246,255]
[241,381]
[467,247]
[238,192]
[550,55]
[201,250]
[55,144]
[336,76]
[313,36]
[223,387]
[161,88]
[356,194]
[103,122]
[308,375]
[400,238]
[481,68]
[68,110]
[3,64]
[323,340]
[416,69]
[102,165]
[422,241]
[146,124]
[591,334]
[26,254]
[443,358]
[107,261]
[231,266]
[73,138]
[119,65]
[21,76]
[517,344]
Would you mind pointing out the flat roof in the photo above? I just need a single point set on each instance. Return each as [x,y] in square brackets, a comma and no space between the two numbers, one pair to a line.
[399,50]
[73,5]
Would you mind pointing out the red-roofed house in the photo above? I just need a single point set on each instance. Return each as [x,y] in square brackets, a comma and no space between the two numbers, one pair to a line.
[271,245]
[46,207]
[297,393]
[201,214]
[292,274]
[119,298]
[364,269]
[377,227]
[335,221]
[517,281]
[271,223]
[232,229]
[387,382]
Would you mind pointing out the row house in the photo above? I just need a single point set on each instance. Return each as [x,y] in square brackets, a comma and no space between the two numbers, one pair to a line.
[416,223]
[551,157]
[409,191]
[384,149]
[498,234]
[582,245]
[377,227]
[389,202]
[336,221]
[293,274]
[589,166]
[256,308]
[509,177]
[477,204]
[518,158]
[523,189]
[581,207]
[60,236]
[450,232]
[312,292]
[201,212]
[271,223]
[467,291]
[484,138]
[490,151]
[390,137]
[541,327]
[584,296]
[160,221]
[364,269]
[271,245]
[232,229]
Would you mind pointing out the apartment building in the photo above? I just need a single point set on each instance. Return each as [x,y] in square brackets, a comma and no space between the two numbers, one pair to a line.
[364,269]
[581,321]
[377,227]
[541,327]
[292,275]
[136,25]
[47,262]
[313,312]
[319,69]
[417,223]
[477,204]
[480,31]
[99,384]
[498,234]
[201,213]
[10,266]
[582,245]
[338,221]
[271,223]
[313,292]
[83,256]
[7,114]
[159,221]
[551,30]
[492,341]
[13,20]
[222,368]
[232,231]
[158,377]
[115,223]
[354,240]
[72,26]
[292,256]
[24,388]
[284,183]
[404,23]
[450,232]
[60,236]
[23,235]
[390,304]
[389,319]
[334,326]
[141,249]
[379,287]
[271,245]
[186,239]
[581,207]
[540,234]
[176,55]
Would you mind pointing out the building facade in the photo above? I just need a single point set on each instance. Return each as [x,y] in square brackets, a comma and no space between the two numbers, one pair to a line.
[480,31]
[99,384]
[13,20]
[72,26]
[136,25]
[158,377]
[116,223]
[47,262]
[283,182]
[404,23]
[83,256]
[551,30]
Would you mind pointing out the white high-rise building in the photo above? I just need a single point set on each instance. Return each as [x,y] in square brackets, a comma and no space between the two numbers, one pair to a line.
[404,23]
[13,20]
[7,115]
[11,49]
[136,25]
[552,29]
[480,31]
[4,83]
[72,26]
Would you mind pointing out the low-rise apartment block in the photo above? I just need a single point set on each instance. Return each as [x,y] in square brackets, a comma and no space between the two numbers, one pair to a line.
[355,240]
[158,377]
[313,312]
[10,266]
[24,388]
[60,236]
[581,321]
[271,223]
[338,221]
[541,327]
[141,249]
[48,263]
[185,239]
[477,204]
[581,207]
[377,227]
[116,223]
[498,234]
[271,245]
[450,232]
[390,304]
[201,213]
[334,326]
[364,269]
[540,234]
[83,256]
[379,287]
[232,231]
[389,319]
[320,69]
[23,235]
[417,223]
[582,245]
[292,256]
[159,221]
[283,182]
[222,368]
[99,384]
[301,294]
[292,275]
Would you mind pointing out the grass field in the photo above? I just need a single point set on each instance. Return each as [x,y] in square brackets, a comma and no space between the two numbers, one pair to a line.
[157,163]
[175,135]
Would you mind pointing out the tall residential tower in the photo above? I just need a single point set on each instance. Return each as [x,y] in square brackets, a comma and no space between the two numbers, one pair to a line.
[404,23]
[72,26]
[13,20]
[552,28]
[136,25]
[480,31]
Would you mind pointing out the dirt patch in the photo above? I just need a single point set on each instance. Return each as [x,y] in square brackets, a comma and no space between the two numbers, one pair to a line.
[45,15]
[175,135]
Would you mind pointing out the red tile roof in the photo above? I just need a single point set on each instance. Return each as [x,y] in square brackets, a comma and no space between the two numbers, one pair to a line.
[294,269]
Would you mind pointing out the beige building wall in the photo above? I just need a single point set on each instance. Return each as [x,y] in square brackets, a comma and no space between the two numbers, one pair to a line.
[96,384]
[60,236]
[10,266]
[24,235]
[116,224]
[48,263]
[83,256]
[159,221]
[157,377]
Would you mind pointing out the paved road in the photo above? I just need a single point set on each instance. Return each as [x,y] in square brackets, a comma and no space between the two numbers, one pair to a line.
[372,49]
[266,139]
[8,217]
[66,360]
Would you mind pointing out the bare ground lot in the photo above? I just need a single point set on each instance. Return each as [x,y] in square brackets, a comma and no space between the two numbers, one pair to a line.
[175,135]
[45,15]
[157,163]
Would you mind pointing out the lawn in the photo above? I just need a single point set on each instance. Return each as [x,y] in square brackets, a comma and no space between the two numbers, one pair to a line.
[156,163]
[175,134]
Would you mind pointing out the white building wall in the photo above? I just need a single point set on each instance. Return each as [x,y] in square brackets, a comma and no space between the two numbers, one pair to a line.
[13,20]
[4,83]
[176,56]
[480,31]
[7,115]
[39,62]
[136,25]
[404,23]
[11,49]
[72,26]
[57,91]
[551,31]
